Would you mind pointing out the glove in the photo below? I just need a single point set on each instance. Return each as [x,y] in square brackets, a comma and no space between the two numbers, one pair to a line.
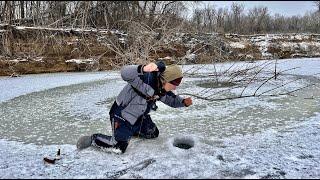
[187,101]
[161,66]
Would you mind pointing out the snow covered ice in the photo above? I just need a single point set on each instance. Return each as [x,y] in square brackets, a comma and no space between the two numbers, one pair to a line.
[265,137]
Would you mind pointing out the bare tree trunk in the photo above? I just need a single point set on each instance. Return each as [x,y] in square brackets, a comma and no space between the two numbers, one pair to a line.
[7,41]
[8,37]
[152,13]
[85,13]
[22,9]
[8,12]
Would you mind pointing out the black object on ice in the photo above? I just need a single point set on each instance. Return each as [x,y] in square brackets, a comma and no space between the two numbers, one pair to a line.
[183,143]
[52,161]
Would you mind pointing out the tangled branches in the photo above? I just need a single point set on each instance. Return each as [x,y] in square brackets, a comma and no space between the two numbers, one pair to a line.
[242,80]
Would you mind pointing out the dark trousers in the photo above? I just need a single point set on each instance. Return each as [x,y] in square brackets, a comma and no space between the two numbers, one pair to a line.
[123,130]
[143,128]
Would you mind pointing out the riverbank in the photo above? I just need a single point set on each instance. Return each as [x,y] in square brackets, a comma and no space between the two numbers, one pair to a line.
[33,50]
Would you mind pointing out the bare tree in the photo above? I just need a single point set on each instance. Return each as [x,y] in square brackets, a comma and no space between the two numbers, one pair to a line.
[198,19]
[113,14]
[8,11]
[220,19]
[258,18]
[209,18]
[141,43]
[237,10]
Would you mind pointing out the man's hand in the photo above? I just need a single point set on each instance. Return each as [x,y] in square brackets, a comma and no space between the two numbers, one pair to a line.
[187,101]
[150,67]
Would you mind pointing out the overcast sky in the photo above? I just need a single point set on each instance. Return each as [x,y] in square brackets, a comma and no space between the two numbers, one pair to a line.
[287,8]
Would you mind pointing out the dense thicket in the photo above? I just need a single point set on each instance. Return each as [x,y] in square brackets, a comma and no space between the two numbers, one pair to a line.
[117,14]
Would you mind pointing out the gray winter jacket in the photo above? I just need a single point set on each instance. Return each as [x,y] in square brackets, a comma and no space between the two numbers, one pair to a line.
[134,104]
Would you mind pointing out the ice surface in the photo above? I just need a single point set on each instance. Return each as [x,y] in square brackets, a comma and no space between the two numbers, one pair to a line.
[269,137]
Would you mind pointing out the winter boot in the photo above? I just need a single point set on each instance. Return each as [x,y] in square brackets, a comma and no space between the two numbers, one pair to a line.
[108,142]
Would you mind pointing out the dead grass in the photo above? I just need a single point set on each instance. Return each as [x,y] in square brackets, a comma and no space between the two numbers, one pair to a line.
[57,47]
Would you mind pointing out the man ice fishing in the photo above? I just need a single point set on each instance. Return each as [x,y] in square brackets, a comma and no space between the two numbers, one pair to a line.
[129,114]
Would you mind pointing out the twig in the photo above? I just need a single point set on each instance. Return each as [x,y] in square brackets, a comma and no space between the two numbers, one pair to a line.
[271,78]
[136,167]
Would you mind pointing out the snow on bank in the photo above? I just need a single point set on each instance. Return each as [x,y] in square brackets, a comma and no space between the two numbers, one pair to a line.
[81,61]
[291,152]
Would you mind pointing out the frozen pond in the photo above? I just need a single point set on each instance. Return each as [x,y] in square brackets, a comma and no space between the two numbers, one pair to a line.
[247,138]
[59,114]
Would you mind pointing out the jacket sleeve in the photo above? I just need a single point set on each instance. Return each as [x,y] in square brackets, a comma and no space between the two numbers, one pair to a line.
[172,100]
[131,74]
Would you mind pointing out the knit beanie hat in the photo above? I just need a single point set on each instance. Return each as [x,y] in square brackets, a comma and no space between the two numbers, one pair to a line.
[172,75]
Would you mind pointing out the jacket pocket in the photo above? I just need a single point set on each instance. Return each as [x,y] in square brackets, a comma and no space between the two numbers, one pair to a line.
[133,111]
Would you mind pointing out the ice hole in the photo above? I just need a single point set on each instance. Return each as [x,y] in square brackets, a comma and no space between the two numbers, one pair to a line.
[183,143]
